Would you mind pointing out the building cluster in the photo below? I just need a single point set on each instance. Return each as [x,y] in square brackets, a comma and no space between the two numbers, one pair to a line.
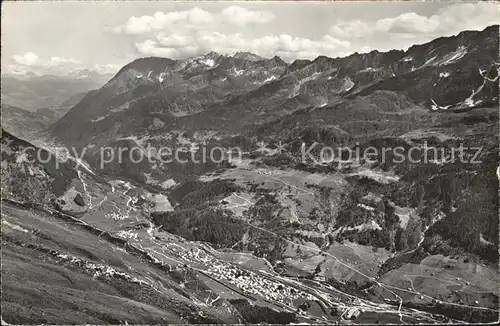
[249,282]
[255,284]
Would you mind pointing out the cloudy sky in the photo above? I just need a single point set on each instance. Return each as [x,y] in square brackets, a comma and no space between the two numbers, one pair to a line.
[56,37]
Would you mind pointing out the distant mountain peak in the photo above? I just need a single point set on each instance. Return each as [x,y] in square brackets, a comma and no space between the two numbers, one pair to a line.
[212,55]
[245,55]
[278,61]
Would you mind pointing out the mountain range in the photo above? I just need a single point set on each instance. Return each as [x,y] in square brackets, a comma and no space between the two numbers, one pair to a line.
[278,235]
[32,92]
[31,102]
[227,93]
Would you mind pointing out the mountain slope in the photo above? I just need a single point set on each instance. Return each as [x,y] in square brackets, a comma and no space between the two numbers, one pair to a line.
[26,123]
[215,92]
[298,226]
[126,270]
[165,90]
[46,91]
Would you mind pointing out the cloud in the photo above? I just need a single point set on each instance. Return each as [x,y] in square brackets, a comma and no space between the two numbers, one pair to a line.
[160,20]
[351,29]
[406,29]
[27,59]
[289,47]
[106,68]
[30,59]
[450,20]
[241,16]
[408,23]
[181,34]
[193,18]
[31,62]
[175,41]
[153,48]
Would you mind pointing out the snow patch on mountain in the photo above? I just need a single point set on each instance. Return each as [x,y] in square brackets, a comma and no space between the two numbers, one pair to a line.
[300,82]
[99,118]
[428,62]
[237,72]
[370,69]
[269,79]
[312,77]
[436,107]
[454,56]
[481,72]
[444,74]
[348,84]
[208,62]
[161,77]
[470,102]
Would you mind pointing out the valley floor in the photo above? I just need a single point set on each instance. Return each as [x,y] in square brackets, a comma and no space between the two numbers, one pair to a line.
[43,248]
